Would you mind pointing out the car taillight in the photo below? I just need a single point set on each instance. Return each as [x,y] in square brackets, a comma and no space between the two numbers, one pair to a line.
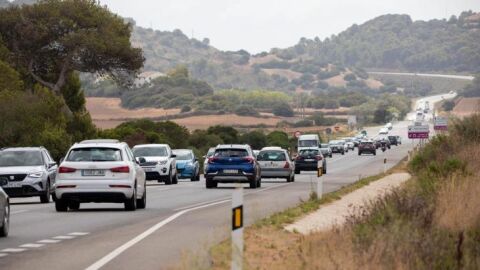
[123,169]
[299,158]
[319,157]
[66,170]
[212,160]
[249,160]
[287,165]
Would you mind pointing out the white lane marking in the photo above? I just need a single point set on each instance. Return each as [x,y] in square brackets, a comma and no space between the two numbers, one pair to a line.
[31,245]
[64,237]
[115,253]
[79,233]
[48,241]
[13,250]
[18,212]
[225,199]
[3,255]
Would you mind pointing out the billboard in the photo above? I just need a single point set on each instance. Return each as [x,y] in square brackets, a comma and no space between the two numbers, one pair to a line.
[420,131]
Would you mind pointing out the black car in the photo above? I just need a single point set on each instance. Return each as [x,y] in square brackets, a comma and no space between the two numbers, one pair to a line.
[393,140]
[308,159]
[367,147]
[4,209]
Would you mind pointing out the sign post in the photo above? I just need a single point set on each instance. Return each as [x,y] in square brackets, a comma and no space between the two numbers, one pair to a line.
[440,123]
[418,131]
[237,228]
[319,179]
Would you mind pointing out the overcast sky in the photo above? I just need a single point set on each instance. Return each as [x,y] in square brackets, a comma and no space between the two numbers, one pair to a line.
[259,25]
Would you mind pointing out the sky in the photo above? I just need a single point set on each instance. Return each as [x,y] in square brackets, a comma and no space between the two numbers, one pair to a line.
[259,25]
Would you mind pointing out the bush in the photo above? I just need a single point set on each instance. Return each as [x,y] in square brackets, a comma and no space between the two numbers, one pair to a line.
[245,110]
[448,105]
[283,109]
[350,77]
[185,108]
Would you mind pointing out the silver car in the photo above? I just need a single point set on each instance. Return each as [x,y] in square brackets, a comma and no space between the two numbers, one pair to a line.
[29,172]
[276,163]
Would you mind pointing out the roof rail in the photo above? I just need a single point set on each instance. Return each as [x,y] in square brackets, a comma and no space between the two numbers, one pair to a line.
[100,141]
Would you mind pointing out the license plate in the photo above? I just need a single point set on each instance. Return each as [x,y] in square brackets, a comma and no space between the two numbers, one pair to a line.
[13,185]
[149,169]
[309,160]
[230,171]
[93,172]
[269,165]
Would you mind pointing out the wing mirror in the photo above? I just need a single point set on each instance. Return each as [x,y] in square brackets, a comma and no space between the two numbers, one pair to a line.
[140,160]
[51,164]
[173,156]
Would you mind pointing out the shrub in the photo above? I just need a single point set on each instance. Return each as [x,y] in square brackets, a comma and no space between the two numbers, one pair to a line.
[283,109]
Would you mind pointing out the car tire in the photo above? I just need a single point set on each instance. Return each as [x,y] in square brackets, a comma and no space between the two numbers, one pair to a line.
[359,153]
[209,183]
[5,222]
[259,181]
[45,198]
[61,205]
[343,153]
[324,170]
[375,153]
[293,178]
[131,204]
[175,179]
[142,203]
[169,178]
[198,176]
[297,171]
[74,205]
[253,183]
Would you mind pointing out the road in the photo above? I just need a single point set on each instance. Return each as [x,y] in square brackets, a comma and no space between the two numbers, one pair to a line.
[431,100]
[447,76]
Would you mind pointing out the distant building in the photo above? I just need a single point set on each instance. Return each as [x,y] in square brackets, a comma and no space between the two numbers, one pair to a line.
[147,77]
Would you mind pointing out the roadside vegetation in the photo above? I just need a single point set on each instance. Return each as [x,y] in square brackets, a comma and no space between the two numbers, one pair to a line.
[432,222]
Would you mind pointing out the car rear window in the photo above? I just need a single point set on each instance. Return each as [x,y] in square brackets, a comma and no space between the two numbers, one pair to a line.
[308,153]
[150,152]
[271,156]
[20,158]
[183,154]
[94,154]
[230,152]
[308,143]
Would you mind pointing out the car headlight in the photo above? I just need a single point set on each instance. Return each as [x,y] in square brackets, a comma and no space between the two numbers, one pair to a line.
[35,174]
[162,162]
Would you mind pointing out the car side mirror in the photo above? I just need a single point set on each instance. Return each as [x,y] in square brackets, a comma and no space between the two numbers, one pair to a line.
[196,159]
[51,164]
[173,156]
[141,160]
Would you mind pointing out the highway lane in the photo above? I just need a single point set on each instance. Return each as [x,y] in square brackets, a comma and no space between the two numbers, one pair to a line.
[447,76]
[41,238]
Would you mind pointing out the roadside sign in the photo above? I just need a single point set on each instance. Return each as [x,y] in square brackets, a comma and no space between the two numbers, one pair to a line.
[440,123]
[237,217]
[418,131]
[328,131]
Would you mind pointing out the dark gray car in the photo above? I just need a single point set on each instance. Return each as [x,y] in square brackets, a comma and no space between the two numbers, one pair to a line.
[28,171]
[4,210]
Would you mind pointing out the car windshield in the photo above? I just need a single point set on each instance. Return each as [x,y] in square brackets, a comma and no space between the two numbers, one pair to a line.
[230,152]
[210,152]
[183,154]
[20,158]
[150,151]
[336,142]
[308,143]
[324,145]
[308,153]
[366,143]
[94,154]
[271,156]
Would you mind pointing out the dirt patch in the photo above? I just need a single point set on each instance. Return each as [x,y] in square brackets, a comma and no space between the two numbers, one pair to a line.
[289,74]
[264,59]
[373,84]
[110,109]
[466,107]
[336,81]
[205,121]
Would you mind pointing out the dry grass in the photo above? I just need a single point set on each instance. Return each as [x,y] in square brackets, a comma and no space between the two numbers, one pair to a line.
[466,107]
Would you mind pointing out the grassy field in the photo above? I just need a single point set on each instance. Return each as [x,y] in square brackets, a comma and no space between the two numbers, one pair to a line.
[466,107]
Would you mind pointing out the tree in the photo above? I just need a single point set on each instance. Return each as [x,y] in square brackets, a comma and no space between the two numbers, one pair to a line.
[227,134]
[256,139]
[278,138]
[52,38]
[283,109]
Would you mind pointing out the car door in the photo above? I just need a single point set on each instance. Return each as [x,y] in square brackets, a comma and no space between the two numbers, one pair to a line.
[139,172]
[51,169]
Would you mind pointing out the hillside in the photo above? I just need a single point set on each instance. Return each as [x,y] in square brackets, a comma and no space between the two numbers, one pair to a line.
[396,42]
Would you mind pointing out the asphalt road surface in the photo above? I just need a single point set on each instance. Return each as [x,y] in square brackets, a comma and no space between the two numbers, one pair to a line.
[179,219]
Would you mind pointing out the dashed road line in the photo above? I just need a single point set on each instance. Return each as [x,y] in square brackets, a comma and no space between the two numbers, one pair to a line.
[48,241]
[3,255]
[79,233]
[18,212]
[13,250]
[64,237]
[32,245]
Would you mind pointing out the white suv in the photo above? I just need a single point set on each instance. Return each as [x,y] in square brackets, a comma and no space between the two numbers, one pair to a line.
[100,171]
[160,162]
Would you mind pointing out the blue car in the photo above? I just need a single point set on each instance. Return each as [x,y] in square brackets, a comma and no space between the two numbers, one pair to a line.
[233,164]
[187,164]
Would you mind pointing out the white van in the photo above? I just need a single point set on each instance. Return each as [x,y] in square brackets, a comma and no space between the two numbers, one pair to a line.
[308,141]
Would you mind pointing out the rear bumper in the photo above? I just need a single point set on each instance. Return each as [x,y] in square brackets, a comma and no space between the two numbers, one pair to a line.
[230,178]
[275,173]
[306,166]
[94,190]
[114,197]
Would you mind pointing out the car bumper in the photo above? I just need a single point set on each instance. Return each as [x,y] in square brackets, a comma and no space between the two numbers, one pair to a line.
[276,173]
[26,188]
[307,166]
[186,172]
[242,177]
[156,172]
[94,190]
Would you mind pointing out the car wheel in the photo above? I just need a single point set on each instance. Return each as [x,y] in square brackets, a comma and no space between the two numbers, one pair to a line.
[198,176]
[74,205]
[324,170]
[297,171]
[45,198]
[142,203]
[259,182]
[169,179]
[359,153]
[175,179]
[131,204]
[61,205]
[6,221]
[253,183]
[209,183]
[293,178]
[375,153]
[343,153]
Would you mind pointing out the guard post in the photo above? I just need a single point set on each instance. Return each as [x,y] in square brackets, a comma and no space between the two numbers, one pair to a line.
[237,228]
[319,179]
